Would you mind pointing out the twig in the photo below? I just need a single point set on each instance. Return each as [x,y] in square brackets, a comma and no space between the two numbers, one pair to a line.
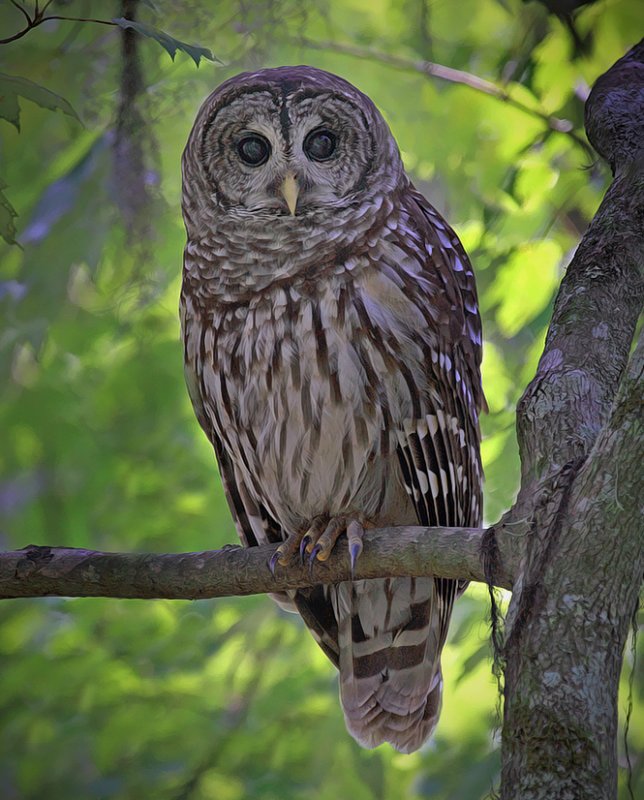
[22,11]
[434,70]
[39,17]
[80,19]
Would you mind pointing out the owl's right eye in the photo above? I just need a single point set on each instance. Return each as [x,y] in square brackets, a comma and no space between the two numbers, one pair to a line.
[254,150]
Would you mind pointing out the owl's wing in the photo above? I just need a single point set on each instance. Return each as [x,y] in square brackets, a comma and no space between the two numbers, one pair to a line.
[438,451]
[460,320]
[392,631]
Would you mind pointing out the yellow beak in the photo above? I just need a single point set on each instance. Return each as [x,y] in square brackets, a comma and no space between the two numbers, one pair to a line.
[290,191]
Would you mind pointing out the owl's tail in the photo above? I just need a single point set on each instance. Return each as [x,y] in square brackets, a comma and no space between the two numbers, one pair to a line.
[390,635]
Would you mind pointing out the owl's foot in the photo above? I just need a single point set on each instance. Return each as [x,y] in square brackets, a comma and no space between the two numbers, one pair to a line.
[285,553]
[319,540]
[320,544]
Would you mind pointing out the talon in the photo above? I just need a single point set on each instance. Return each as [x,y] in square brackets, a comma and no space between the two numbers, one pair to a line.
[312,557]
[287,549]
[306,540]
[355,548]
[355,532]
[330,536]
[272,563]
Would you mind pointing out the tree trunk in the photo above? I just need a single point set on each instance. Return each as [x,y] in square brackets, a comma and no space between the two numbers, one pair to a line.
[582,448]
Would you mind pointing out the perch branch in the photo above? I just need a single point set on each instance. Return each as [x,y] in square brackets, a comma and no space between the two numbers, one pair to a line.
[405,551]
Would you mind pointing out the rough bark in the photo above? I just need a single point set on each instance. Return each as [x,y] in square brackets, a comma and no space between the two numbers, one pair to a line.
[581,450]
[64,571]
[564,648]
[131,145]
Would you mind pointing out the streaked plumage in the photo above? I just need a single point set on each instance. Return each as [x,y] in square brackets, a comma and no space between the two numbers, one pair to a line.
[332,357]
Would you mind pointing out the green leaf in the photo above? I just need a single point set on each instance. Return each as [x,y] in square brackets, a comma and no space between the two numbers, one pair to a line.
[7,216]
[498,383]
[472,662]
[169,43]
[13,86]
[525,284]
[9,107]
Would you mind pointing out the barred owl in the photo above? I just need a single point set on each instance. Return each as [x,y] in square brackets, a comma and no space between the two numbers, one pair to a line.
[332,347]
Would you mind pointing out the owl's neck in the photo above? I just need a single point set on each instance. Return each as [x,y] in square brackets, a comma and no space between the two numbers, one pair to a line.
[238,259]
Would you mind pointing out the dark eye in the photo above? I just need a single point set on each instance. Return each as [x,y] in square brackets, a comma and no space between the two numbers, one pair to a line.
[320,144]
[254,150]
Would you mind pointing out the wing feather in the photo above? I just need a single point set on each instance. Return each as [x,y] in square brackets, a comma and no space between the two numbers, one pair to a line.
[439,450]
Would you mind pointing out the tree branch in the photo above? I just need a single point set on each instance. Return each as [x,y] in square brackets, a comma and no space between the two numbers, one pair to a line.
[431,69]
[598,304]
[581,442]
[564,652]
[403,551]
[132,140]
[39,17]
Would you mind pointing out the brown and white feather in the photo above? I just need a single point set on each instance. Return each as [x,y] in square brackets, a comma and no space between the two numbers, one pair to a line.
[333,360]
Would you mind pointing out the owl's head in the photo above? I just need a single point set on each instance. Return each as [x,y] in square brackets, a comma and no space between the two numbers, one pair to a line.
[287,143]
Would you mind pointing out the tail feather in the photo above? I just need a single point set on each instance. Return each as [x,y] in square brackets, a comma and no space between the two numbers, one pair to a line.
[389,659]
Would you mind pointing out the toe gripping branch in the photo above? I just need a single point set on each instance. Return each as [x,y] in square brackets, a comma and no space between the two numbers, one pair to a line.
[316,542]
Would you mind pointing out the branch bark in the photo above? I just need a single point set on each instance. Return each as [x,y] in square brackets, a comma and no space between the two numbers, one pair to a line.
[64,571]
[565,644]
[581,448]
[131,138]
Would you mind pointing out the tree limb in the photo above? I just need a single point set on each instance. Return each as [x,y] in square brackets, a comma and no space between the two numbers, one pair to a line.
[132,139]
[407,551]
[565,646]
[581,442]
[431,69]
[39,17]
[595,314]
[568,402]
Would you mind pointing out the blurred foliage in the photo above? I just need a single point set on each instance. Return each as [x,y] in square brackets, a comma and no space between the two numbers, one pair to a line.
[232,699]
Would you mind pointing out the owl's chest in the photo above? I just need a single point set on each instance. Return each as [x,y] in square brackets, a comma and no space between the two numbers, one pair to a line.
[290,374]
[303,400]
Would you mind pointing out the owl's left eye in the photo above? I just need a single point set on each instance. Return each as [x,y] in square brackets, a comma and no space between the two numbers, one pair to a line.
[254,150]
[320,144]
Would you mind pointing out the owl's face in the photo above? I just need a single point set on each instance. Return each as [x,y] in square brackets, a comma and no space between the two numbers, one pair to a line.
[291,142]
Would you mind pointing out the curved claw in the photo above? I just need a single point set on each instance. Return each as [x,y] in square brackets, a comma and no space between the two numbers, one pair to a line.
[355,548]
[312,557]
[306,539]
[273,562]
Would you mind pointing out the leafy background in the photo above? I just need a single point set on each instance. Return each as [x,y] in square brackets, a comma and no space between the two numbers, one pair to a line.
[231,698]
